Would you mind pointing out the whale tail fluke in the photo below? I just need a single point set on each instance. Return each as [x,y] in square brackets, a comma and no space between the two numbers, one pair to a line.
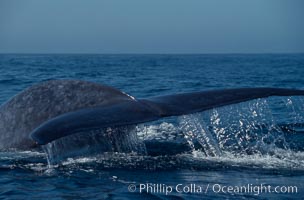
[150,109]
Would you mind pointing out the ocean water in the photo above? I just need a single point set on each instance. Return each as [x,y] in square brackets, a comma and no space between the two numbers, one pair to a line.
[232,152]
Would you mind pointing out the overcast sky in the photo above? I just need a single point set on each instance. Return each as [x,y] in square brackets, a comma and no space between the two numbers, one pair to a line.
[151,26]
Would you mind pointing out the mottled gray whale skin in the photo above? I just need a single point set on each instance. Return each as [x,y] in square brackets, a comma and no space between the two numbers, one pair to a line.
[54,109]
[20,115]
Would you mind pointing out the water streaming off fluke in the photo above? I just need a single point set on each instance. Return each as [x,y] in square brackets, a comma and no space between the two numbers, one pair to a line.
[249,130]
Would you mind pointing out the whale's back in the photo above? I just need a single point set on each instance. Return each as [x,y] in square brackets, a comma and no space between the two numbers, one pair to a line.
[39,103]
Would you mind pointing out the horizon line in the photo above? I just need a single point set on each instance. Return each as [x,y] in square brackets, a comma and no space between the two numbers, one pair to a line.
[153,53]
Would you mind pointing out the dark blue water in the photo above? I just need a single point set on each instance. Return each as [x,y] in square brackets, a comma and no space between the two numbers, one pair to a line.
[248,144]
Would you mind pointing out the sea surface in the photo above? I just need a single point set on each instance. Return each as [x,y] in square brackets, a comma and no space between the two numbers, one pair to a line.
[251,150]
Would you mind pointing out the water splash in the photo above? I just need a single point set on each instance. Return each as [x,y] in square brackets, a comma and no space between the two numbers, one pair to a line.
[119,139]
[243,129]
[196,130]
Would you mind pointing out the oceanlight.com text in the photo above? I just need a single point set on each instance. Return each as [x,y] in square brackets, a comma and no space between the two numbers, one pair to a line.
[191,188]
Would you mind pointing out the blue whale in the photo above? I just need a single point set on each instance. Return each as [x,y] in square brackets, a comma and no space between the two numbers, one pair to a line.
[55,109]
